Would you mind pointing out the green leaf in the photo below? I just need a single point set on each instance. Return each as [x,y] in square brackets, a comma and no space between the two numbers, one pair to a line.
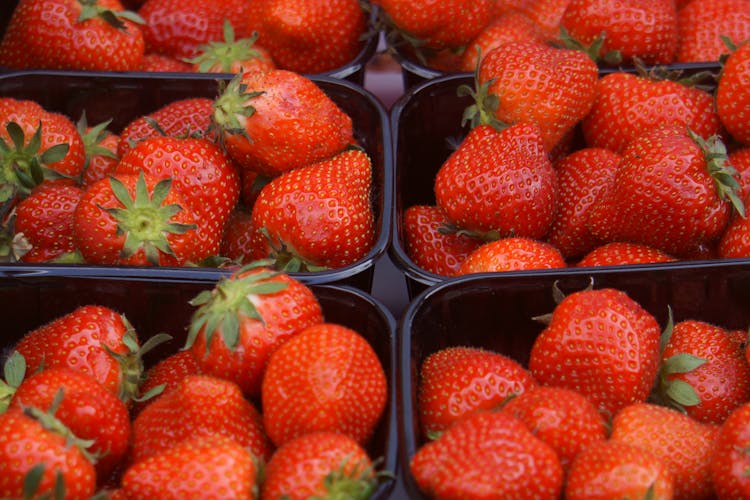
[14,370]
[682,363]
[682,393]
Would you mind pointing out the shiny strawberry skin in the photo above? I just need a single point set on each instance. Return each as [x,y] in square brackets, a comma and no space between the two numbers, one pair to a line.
[730,459]
[623,253]
[236,244]
[702,24]
[168,372]
[153,62]
[512,254]
[733,95]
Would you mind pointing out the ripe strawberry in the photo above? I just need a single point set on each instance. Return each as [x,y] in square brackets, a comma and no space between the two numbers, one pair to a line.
[160,63]
[730,459]
[45,218]
[733,95]
[244,318]
[232,55]
[135,220]
[73,35]
[602,344]
[327,377]
[673,191]
[236,244]
[564,419]
[331,35]
[512,254]
[165,376]
[319,464]
[704,372]
[211,467]
[200,405]
[702,24]
[35,460]
[499,181]
[317,216]
[682,443]
[552,87]
[629,104]
[457,381]
[623,253]
[432,243]
[735,241]
[175,28]
[740,160]
[487,455]
[100,146]
[203,175]
[278,120]
[612,469]
[636,29]
[547,14]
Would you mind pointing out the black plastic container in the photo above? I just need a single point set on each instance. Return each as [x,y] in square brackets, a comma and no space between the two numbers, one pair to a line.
[31,297]
[123,97]
[496,313]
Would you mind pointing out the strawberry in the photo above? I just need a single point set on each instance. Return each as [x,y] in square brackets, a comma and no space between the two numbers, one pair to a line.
[564,419]
[682,443]
[203,175]
[601,343]
[177,29]
[701,26]
[100,146]
[636,29]
[331,35]
[552,87]
[547,14]
[581,175]
[45,218]
[730,459]
[673,191]
[246,317]
[432,243]
[623,253]
[199,405]
[326,377]
[236,244]
[232,55]
[165,376]
[704,372]
[211,467]
[317,216]
[95,35]
[487,455]
[512,254]
[319,464]
[135,220]
[735,240]
[274,121]
[35,460]
[499,181]
[153,62]
[629,104]
[740,160]
[733,96]
[612,469]
[460,380]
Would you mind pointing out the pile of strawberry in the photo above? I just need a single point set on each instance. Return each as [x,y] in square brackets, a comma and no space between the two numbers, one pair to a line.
[270,167]
[266,398]
[606,407]
[564,165]
[170,35]
[447,36]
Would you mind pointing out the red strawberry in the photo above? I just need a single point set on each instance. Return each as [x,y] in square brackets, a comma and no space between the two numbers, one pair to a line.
[735,241]
[733,95]
[160,63]
[704,372]
[331,35]
[319,464]
[611,469]
[564,419]
[623,253]
[327,377]
[200,405]
[642,29]
[135,220]
[682,443]
[211,466]
[73,35]
[244,318]
[278,120]
[317,216]
[487,455]
[101,147]
[627,105]
[499,181]
[740,160]
[232,55]
[552,87]
[547,14]
[701,26]
[512,254]
[432,243]
[602,344]
[731,459]
[165,376]
[457,381]
[236,244]
[673,191]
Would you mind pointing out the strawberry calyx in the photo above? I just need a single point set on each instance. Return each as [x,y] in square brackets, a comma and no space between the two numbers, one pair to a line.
[231,108]
[482,111]
[14,371]
[594,50]
[284,258]
[223,54]
[92,138]
[396,36]
[13,245]
[90,9]
[359,483]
